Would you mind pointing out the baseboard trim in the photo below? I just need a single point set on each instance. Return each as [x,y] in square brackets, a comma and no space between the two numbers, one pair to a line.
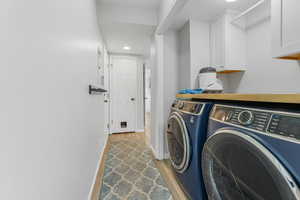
[96,185]
[140,131]
[155,153]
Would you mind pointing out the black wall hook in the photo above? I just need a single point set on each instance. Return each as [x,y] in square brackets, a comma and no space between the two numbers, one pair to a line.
[93,89]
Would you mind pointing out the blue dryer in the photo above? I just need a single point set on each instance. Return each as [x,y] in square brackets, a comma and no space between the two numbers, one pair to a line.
[186,135]
[252,153]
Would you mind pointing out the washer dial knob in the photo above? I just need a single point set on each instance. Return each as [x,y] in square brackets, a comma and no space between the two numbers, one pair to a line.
[245,117]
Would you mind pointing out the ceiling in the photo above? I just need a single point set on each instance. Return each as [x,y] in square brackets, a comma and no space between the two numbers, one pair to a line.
[137,3]
[128,23]
[138,37]
[207,10]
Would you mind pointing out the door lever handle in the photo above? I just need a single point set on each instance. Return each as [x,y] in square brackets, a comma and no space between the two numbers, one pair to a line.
[132,99]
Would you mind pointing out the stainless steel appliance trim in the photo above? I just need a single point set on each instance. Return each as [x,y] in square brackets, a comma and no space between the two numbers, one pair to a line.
[192,102]
[250,120]
[183,166]
[289,139]
[285,174]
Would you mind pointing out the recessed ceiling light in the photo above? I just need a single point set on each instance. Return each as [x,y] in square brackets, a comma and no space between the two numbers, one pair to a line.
[127,48]
[230,0]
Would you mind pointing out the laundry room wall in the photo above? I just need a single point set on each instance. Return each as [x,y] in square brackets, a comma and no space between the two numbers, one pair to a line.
[164,86]
[140,97]
[184,56]
[51,129]
[264,74]
[194,53]
[171,77]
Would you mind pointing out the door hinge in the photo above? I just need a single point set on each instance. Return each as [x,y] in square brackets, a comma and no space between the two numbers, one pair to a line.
[108,126]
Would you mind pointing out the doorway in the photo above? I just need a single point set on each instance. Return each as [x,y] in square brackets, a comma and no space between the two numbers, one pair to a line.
[126,94]
[147,100]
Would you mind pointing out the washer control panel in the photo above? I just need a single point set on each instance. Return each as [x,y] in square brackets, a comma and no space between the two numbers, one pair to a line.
[253,119]
[266,121]
[187,106]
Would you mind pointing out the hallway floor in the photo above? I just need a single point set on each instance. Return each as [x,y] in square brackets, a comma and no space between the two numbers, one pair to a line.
[130,171]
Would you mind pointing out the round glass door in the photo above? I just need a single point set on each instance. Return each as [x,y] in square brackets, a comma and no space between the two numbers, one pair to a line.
[237,167]
[178,142]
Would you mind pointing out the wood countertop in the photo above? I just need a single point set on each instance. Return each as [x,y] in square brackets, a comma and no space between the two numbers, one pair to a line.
[272,98]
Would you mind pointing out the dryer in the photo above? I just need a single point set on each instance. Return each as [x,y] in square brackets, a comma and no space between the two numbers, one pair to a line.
[186,134]
[252,153]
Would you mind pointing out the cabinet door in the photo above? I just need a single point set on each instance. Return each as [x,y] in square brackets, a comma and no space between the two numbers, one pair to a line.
[217,37]
[286,28]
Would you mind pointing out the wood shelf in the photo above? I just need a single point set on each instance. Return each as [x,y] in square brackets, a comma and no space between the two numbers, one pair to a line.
[291,57]
[229,71]
[271,98]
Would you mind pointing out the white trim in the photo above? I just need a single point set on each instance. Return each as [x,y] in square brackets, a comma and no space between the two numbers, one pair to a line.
[154,153]
[167,21]
[97,169]
[140,130]
[247,11]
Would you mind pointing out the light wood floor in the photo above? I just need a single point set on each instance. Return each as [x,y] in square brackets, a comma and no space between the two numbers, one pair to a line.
[163,166]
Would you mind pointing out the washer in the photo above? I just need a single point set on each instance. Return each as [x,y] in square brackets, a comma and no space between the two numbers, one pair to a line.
[252,153]
[186,135]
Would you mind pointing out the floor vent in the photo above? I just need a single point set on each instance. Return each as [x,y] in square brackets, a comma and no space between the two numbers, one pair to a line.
[123,124]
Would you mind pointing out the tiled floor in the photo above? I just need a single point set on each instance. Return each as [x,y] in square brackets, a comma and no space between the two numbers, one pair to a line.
[130,172]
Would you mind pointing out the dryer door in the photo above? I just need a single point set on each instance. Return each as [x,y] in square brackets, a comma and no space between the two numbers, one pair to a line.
[237,167]
[178,142]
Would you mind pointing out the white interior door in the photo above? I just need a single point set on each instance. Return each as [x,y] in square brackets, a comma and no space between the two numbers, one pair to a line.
[123,94]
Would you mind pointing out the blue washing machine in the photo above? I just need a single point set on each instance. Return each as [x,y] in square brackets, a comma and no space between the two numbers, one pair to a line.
[252,153]
[186,135]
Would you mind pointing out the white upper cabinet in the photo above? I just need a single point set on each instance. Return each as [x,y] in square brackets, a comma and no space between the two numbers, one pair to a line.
[228,44]
[286,29]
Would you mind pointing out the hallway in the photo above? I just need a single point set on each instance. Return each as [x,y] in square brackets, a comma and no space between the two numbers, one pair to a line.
[130,170]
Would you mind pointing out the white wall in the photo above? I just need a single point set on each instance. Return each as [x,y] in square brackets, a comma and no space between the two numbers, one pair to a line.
[264,74]
[194,52]
[157,118]
[140,97]
[164,78]
[200,49]
[184,79]
[51,129]
[147,85]
[171,76]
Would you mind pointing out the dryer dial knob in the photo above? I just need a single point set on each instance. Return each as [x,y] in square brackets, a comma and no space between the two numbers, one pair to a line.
[246,117]
[181,105]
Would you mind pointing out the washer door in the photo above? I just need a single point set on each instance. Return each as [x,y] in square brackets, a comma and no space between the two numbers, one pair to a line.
[178,142]
[237,167]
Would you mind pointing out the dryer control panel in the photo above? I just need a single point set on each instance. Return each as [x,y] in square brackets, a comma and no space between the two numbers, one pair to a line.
[189,107]
[271,122]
